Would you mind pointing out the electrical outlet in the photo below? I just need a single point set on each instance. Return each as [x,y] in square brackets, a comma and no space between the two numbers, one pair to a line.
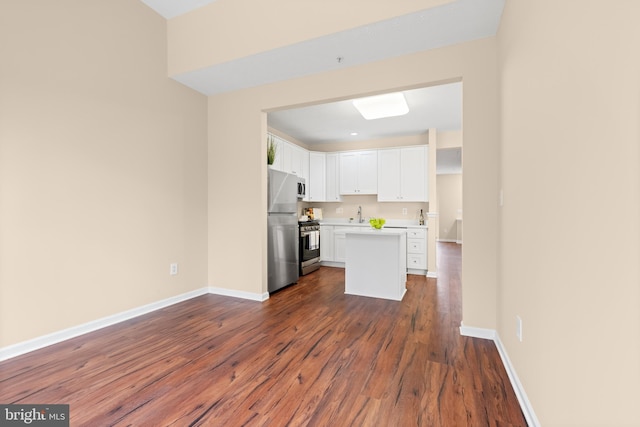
[501,198]
[404,211]
[173,269]
[519,328]
[339,210]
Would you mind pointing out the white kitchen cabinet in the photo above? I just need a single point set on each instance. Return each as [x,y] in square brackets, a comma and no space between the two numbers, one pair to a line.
[289,157]
[316,185]
[417,249]
[332,177]
[326,243]
[333,248]
[294,158]
[402,174]
[340,244]
[359,172]
[284,155]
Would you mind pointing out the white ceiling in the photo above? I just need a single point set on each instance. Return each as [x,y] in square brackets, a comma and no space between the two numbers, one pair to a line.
[438,107]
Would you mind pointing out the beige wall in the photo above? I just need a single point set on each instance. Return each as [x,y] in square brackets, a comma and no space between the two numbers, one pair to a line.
[102,166]
[449,202]
[570,238]
[449,139]
[236,150]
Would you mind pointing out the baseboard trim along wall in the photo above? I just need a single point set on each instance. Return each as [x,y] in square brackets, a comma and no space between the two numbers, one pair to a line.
[239,294]
[65,334]
[46,340]
[491,334]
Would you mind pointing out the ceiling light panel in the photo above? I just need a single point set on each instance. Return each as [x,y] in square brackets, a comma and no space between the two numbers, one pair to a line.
[381,106]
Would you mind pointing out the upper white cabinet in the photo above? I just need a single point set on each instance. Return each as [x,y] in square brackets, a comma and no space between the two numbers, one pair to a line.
[289,158]
[402,174]
[333,177]
[359,172]
[316,185]
[292,158]
[394,174]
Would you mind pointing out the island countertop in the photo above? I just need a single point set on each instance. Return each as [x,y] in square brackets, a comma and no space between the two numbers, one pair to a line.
[391,223]
[381,232]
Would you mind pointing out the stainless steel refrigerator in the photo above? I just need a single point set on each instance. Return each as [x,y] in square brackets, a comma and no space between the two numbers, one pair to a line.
[282,232]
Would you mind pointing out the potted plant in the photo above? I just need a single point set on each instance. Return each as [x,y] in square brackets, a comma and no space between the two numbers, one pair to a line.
[271,150]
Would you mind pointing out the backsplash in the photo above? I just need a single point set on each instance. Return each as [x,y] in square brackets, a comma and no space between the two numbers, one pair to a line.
[370,208]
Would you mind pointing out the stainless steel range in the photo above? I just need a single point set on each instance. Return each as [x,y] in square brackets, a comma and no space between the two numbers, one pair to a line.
[309,246]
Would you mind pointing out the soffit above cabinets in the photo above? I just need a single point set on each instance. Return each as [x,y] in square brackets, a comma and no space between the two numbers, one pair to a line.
[451,23]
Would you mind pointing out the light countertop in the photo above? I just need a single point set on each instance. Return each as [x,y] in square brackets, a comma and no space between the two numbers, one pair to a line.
[381,232]
[390,224]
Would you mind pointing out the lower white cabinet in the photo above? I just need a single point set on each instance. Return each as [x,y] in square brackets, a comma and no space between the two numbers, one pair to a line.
[417,249]
[333,246]
[326,243]
[340,243]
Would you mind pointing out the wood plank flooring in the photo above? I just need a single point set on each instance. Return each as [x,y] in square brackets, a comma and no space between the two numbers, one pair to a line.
[309,356]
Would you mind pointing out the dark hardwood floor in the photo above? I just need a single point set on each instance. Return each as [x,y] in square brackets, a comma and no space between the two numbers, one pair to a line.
[310,355]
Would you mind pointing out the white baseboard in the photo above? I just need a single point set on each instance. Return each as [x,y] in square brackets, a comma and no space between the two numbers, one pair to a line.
[448,240]
[432,274]
[239,294]
[523,400]
[418,272]
[336,264]
[65,334]
[469,331]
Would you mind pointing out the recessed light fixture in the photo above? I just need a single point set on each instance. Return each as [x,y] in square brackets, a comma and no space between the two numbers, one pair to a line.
[353,133]
[381,106]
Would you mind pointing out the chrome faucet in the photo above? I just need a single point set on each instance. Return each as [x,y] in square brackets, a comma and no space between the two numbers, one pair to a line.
[360,214]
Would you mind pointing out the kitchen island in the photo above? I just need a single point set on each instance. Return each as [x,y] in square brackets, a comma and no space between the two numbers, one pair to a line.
[376,263]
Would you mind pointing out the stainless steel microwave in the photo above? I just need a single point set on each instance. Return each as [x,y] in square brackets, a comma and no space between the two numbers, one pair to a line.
[302,188]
